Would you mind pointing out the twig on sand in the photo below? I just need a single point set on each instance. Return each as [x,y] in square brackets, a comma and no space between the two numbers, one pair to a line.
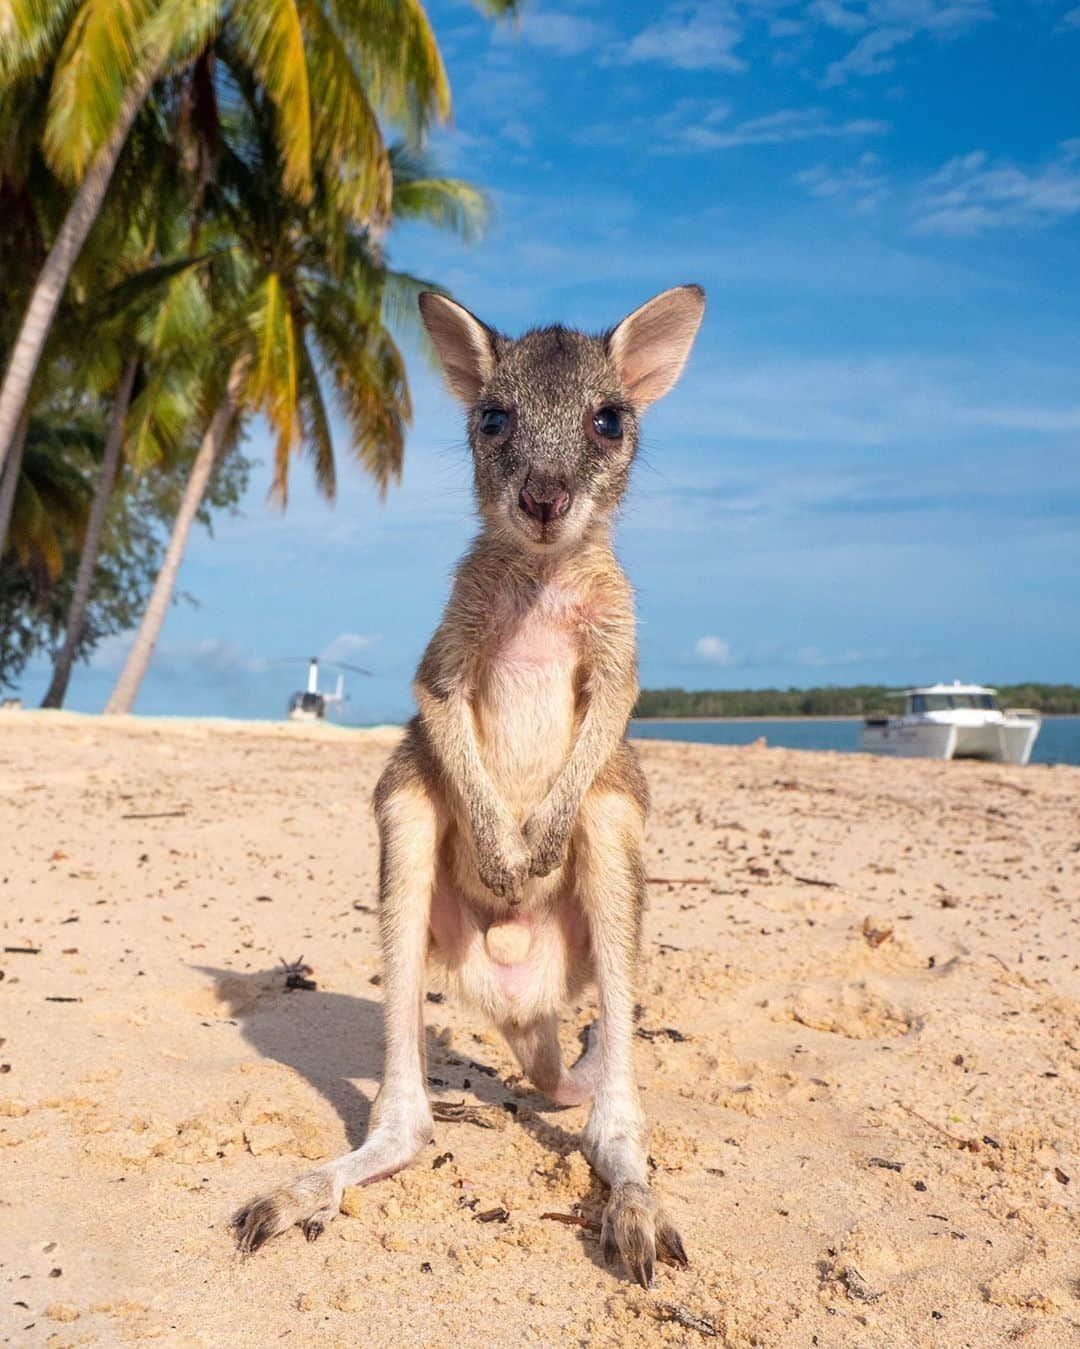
[458,1112]
[22,950]
[968,1144]
[807,880]
[154,815]
[665,1032]
[672,1311]
[572,1220]
[677,880]
[57,998]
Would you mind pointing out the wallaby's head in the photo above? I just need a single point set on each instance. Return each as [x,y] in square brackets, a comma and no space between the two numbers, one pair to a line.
[553,416]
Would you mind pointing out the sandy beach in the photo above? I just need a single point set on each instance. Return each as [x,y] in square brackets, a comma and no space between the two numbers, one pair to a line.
[858,1047]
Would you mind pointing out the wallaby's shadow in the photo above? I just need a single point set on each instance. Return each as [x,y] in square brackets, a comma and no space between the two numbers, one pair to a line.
[331,1038]
[327,1038]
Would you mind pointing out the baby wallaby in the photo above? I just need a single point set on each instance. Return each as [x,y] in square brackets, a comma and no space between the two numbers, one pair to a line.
[511,815]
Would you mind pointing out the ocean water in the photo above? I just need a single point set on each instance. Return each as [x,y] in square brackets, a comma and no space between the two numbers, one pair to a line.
[1058,742]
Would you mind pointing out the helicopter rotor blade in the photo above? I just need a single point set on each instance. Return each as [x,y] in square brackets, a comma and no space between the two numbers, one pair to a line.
[330,664]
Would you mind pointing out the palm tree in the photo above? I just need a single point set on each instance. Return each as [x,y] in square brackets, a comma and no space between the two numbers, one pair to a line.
[142,329]
[95,527]
[52,494]
[310,296]
[107,55]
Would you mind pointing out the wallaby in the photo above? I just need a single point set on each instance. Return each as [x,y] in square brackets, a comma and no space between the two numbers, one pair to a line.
[511,815]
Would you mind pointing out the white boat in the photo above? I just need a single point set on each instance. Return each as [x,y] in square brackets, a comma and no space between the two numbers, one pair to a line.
[953,721]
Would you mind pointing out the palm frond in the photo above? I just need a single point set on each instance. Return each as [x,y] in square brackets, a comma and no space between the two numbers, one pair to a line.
[99,54]
[272,38]
[318,440]
[348,141]
[367,374]
[30,32]
[394,47]
[449,203]
[271,383]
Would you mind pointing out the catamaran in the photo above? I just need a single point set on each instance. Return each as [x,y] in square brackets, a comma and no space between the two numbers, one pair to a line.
[953,721]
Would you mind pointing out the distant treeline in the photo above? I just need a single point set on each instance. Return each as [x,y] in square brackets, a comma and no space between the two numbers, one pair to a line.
[856,700]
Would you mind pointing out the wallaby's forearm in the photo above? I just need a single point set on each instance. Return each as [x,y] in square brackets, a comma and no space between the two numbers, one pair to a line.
[611,694]
[449,724]
[501,853]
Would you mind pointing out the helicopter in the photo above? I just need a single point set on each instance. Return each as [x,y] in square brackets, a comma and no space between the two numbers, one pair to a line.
[311,704]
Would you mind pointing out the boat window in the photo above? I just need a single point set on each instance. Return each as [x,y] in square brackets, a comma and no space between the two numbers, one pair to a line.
[946,702]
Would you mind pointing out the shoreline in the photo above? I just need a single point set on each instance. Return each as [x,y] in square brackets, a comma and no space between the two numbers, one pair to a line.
[845,716]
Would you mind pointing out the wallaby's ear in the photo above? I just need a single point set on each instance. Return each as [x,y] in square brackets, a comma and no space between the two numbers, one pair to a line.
[466,346]
[650,346]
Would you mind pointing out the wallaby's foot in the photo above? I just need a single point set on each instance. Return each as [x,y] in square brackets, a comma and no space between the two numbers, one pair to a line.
[311,1201]
[314,1200]
[636,1227]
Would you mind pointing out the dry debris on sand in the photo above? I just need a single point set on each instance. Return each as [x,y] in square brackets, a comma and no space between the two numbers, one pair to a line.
[859,1053]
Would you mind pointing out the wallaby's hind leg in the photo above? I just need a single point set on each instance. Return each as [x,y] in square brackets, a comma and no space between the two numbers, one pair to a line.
[611,882]
[401,1121]
[536,1047]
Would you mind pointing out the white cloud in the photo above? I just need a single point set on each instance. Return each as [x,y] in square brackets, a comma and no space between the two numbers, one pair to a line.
[715,650]
[1071,19]
[835,15]
[348,647]
[697,130]
[971,194]
[862,183]
[889,24]
[869,56]
[564,34]
[690,37]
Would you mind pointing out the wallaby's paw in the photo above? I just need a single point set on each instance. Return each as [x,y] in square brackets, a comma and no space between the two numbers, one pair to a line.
[311,1202]
[505,870]
[636,1228]
[547,843]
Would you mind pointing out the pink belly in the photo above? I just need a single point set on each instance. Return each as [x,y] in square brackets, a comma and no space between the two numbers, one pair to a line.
[525,970]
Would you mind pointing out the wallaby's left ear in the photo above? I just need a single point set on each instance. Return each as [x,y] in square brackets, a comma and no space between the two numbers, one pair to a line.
[650,346]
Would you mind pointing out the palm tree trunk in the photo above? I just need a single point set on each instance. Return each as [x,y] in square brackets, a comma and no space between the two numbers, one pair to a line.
[83,211]
[84,577]
[9,478]
[122,698]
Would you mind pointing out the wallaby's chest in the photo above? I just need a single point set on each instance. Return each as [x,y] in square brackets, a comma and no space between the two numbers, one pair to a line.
[526,704]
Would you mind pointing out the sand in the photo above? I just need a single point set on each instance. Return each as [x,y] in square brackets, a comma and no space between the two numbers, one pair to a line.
[858,1046]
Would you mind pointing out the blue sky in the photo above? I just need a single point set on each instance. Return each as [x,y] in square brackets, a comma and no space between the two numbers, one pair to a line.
[871,468]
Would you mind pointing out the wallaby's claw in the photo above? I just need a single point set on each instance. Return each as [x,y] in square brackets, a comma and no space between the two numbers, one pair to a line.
[669,1246]
[636,1228]
[309,1202]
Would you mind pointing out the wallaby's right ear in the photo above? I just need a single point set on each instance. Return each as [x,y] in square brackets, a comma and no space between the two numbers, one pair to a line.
[466,346]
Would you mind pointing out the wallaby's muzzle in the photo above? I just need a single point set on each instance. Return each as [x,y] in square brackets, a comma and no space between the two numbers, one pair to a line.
[544,500]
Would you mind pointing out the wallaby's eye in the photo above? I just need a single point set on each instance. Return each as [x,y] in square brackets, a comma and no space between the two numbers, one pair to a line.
[607,423]
[493,421]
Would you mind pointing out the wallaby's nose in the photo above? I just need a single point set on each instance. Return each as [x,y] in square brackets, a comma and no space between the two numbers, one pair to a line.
[544,503]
